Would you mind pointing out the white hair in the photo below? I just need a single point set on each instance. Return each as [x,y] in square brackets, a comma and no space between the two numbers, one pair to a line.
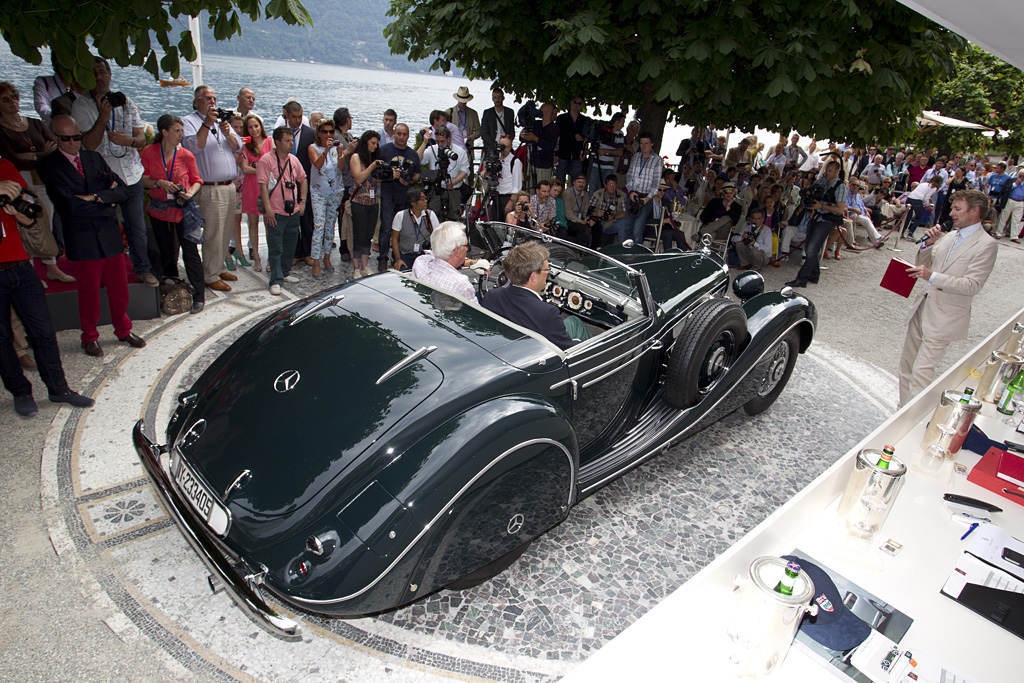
[446,238]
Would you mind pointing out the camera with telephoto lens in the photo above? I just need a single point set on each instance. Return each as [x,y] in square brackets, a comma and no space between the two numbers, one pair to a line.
[382,171]
[603,133]
[810,195]
[529,115]
[225,114]
[597,214]
[180,199]
[22,204]
[116,99]
[748,238]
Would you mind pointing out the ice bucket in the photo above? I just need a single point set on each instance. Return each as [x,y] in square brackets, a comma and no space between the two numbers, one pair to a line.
[956,415]
[765,622]
[870,493]
[1000,370]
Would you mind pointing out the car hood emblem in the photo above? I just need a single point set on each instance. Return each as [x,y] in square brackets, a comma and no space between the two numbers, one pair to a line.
[286,381]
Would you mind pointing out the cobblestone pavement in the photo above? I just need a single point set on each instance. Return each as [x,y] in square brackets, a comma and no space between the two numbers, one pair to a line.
[97,585]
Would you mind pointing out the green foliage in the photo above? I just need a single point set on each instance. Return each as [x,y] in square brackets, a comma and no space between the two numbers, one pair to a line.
[854,70]
[984,89]
[121,30]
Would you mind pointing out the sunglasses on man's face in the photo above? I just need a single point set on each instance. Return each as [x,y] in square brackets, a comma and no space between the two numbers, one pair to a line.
[68,138]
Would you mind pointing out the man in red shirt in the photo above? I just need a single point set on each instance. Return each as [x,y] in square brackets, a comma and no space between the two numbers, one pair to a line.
[21,290]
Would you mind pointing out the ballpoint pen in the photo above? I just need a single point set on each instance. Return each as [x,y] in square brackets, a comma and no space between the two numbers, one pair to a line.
[970,530]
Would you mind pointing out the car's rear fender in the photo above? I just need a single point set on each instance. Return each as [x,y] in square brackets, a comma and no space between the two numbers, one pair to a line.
[440,510]
[772,314]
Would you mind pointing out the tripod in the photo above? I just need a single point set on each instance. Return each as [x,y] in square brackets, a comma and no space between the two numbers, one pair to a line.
[595,158]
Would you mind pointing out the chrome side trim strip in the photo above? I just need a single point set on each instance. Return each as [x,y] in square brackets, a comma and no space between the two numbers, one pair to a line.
[443,511]
[653,344]
[407,361]
[316,308]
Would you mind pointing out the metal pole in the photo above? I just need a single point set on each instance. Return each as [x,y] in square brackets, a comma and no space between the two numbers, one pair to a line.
[197,41]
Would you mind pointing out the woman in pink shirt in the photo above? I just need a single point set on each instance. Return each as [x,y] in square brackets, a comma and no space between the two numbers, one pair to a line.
[170,174]
[253,150]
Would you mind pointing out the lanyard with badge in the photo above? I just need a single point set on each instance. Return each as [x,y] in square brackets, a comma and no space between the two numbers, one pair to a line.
[168,173]
[416,225]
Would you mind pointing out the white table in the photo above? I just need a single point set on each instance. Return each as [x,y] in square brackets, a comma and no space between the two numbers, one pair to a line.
[684,637]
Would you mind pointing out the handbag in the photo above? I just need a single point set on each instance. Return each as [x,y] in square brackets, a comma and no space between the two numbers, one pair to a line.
[38,240]
[175,297]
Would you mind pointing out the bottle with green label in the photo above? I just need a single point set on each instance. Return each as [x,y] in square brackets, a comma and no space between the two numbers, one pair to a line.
[886,458]
[1014,391]
[786,583]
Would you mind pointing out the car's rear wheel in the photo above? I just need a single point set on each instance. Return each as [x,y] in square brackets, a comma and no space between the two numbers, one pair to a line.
[705,350]
[780,367]
[490,570]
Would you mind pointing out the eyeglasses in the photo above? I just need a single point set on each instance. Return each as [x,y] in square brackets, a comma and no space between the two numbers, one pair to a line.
[67,138]
[327,130]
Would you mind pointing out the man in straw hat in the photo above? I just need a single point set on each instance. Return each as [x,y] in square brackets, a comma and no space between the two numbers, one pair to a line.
[466,118]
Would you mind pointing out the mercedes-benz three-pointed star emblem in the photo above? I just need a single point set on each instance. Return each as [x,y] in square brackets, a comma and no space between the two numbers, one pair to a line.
[286,381]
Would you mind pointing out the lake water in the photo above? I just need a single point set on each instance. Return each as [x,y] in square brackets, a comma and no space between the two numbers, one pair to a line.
[318,87]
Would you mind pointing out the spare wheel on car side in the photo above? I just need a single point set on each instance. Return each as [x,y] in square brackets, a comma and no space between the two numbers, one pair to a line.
[706,348]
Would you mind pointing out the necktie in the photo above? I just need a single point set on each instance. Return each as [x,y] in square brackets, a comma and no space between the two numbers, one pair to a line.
[949,254]
[78,166]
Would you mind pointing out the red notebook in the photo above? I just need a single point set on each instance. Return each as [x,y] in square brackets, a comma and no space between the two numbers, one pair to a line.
[1011,468]
[986,475]
[896,278]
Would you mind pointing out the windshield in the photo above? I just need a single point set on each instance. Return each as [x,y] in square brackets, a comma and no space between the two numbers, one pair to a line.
[566,259]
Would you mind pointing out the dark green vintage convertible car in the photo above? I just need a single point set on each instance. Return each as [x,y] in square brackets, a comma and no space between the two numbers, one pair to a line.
[367,446]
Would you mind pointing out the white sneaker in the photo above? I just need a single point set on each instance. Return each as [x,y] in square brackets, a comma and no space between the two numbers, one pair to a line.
[275,290]
[291,279]
[367,272]
[356,274]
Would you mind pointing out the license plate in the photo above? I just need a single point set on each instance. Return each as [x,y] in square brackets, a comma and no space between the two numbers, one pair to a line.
[194,492]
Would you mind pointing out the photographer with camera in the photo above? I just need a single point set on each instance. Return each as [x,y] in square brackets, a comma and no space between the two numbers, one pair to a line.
[827,199]
[607,208]
[609,141]
[521,213]
[501,164]
[444,172]
[578,220]
[754,245]
[543,207]
[21,291]
[111,125]
[172,179]
[208,135]
[405,164]
[642,182]
[541,138]
[411,230]
[283,188]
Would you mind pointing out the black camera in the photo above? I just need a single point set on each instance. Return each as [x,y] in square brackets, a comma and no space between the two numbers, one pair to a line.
[603,133]
[636,206]
[180,199]
[116,99]
[810,195]
[22,204]
[492,159]
[528,116]
[382,172]
[748,238]
[224,114]
[522,206]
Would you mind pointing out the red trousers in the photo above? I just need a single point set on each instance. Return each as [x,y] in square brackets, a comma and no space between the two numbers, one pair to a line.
[109,273]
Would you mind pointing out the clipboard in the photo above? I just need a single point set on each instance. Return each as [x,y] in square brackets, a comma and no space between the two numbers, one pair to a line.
[896,279]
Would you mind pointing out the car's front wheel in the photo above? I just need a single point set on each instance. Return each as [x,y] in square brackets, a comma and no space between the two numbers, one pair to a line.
[705,350]
[780,367]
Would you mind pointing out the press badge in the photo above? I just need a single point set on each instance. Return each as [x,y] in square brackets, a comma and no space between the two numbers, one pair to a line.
[416,248]
[370,193]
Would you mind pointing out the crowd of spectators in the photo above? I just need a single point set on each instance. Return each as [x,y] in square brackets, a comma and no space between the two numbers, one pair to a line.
[320,188]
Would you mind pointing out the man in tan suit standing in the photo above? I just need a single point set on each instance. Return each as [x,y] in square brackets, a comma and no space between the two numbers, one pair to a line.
[954,267]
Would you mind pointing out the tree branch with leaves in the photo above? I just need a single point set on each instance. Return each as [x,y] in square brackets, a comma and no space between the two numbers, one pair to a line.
[121,30]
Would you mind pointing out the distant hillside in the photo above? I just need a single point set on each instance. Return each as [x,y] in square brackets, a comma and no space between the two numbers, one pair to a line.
[345,32]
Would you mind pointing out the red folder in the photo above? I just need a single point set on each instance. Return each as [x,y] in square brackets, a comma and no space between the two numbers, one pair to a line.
[986,475]
[896,278]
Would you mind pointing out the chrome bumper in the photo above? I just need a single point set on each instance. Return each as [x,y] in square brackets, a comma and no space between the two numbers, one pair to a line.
[241,583]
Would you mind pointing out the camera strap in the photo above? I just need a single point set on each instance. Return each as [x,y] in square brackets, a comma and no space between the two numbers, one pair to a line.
[280,175]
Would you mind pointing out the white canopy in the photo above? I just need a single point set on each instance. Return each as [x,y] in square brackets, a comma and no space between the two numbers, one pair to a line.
[995,25]
[933,119]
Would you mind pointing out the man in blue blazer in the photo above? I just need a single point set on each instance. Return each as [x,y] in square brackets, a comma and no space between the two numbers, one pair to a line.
[84,191]
[527,268]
